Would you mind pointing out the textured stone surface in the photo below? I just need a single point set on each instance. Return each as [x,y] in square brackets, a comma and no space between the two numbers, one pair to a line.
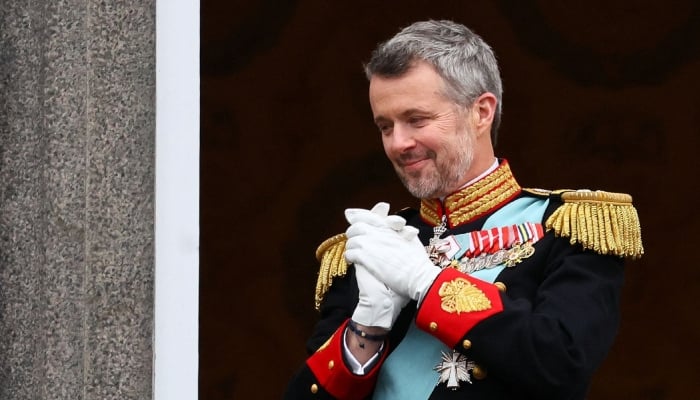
[77,124]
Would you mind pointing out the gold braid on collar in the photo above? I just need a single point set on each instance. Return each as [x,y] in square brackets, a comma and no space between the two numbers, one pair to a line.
[604,222]
[476,200]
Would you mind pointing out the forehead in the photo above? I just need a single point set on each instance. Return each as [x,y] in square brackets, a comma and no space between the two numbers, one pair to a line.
[420,87]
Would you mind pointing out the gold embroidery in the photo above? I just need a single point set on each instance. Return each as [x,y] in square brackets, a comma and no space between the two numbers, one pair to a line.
[459,296]
[475,200]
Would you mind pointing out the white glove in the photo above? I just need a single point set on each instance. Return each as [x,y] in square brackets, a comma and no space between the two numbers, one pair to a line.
[377,216]
[397,259]
[377,305]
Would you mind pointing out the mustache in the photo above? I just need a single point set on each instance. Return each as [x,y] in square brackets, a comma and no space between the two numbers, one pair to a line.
[411,157]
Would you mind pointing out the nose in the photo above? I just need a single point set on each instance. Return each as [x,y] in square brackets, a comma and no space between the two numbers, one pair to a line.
[401,139]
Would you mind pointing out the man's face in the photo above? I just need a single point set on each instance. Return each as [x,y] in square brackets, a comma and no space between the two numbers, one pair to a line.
[426,136]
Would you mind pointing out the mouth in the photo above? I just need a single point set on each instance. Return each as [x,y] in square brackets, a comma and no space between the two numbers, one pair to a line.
[413,165]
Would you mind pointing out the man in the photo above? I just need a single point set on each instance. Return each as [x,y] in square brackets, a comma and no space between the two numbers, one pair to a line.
[489,290]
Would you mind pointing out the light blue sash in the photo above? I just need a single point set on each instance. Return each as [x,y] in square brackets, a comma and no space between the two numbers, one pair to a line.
[408,372]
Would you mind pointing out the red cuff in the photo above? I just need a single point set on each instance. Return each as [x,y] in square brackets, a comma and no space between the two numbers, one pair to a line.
[333,375]
[455,303]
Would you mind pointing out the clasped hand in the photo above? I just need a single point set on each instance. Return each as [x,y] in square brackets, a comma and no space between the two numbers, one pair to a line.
[391,252]
[377,305]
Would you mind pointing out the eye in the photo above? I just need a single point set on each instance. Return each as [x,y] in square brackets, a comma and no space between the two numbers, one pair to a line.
[417,121]
[385,129]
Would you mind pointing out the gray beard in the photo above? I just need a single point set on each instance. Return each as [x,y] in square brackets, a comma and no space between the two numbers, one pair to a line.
[438,183]
[445,179]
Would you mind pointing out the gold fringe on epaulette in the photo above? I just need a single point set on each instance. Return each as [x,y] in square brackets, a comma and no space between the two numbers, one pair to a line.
[604,222]
[331,254]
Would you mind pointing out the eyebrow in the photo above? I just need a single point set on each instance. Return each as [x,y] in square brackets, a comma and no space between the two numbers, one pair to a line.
[406,113]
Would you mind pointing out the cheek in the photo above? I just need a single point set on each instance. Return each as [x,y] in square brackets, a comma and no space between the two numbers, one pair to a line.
[386,143]
[436,143]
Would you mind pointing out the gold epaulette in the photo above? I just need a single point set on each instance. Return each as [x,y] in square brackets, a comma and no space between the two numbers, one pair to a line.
[331,254]
[604,222]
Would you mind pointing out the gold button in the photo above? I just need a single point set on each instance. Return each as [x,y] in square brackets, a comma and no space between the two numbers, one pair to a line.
[314,388]
[501,286]
[467,344]
[331,364]
[433,326]
[479,372]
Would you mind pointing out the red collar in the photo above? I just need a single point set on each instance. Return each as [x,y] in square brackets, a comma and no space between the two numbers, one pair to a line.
[480,198]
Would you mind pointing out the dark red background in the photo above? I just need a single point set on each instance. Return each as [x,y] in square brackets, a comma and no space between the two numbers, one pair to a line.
[598,94]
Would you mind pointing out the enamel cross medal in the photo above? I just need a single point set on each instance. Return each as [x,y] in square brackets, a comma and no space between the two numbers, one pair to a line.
[437,247]
[454,368]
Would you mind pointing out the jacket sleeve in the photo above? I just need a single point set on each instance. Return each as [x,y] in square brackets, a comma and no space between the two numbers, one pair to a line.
[325,374]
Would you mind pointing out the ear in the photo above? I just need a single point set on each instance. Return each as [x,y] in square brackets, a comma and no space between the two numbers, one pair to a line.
[483,110]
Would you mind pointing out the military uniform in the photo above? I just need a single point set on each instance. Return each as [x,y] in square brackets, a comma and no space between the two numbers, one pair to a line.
[526,306]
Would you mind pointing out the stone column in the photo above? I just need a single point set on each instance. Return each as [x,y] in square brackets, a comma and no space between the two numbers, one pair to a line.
[77,125]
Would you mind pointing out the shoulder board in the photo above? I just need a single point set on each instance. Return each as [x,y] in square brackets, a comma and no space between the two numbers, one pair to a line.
[331,255]
[538,192]
[604,222]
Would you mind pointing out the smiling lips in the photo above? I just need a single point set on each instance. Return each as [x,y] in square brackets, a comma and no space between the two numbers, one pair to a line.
[412,162]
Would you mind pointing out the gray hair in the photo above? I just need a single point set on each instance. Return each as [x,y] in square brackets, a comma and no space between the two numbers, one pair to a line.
[461,57]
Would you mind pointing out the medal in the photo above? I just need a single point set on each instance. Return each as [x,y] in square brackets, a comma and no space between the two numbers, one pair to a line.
[453,369]
[437,247]
[508,246]
[510,257]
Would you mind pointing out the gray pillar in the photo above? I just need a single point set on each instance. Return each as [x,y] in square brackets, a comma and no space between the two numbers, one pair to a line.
[77,126]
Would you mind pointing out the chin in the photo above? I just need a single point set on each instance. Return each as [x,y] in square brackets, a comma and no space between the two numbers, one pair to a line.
[420,191]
